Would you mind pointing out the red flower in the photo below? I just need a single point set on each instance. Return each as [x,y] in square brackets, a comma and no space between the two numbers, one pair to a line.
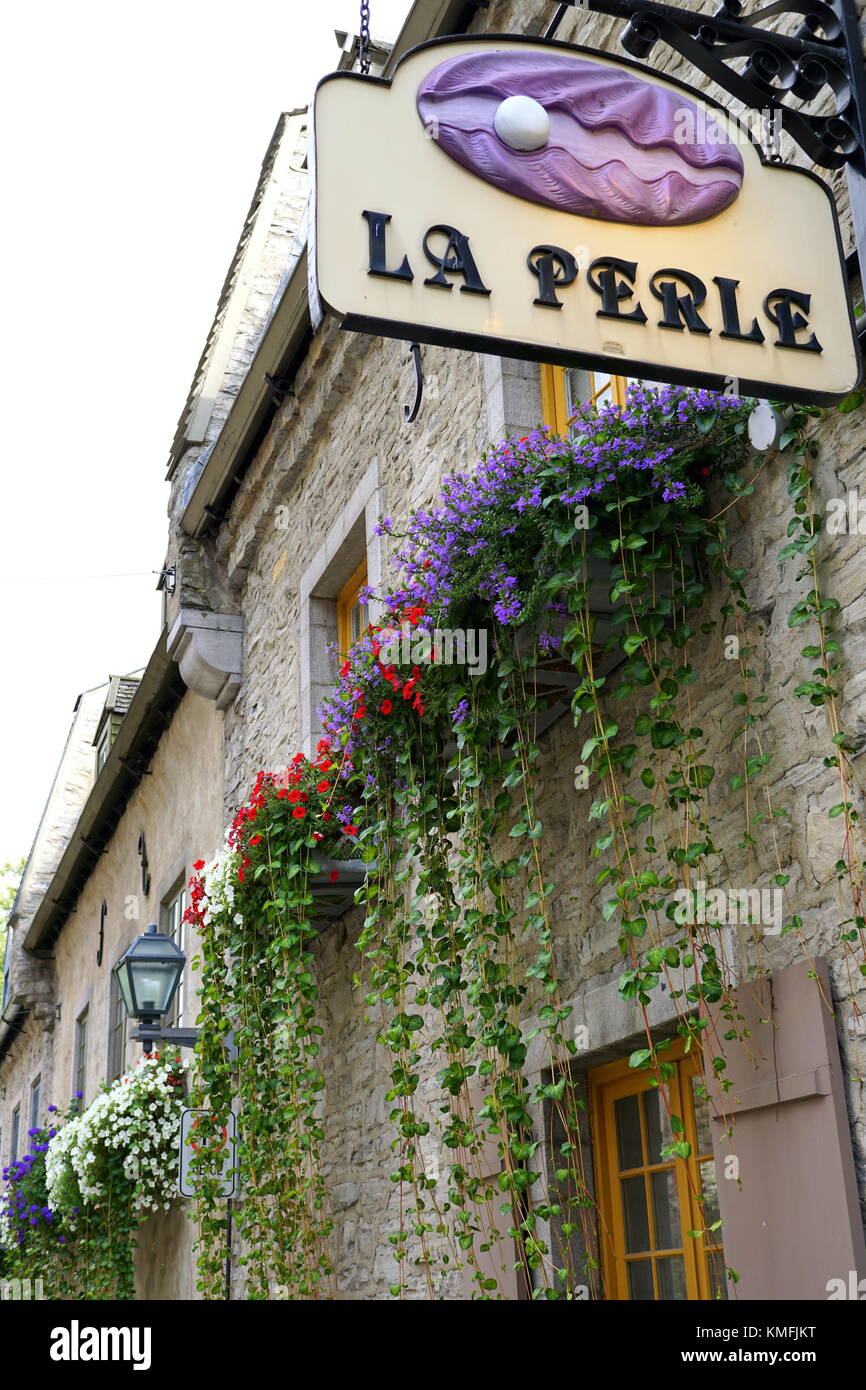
[298,758]
[323,787]
[334,875]
[198,865]
[296,796]
[255,839]
[317,835]
[360,712]
[326,815]
[345,669]
[351,829]
[282,794]
[241,875]
[299,812]
[386,707]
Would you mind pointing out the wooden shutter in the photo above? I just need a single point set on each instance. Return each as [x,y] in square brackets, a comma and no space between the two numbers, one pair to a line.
[792,1223]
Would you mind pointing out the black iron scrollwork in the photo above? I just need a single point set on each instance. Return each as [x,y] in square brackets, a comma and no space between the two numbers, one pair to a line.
[762,65]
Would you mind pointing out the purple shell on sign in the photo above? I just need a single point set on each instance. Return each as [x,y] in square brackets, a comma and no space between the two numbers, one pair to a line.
[619,148]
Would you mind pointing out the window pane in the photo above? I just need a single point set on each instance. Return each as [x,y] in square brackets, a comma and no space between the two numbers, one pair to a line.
[628,1132]
[602,393]
[666,1214]
[710,1190]
[640,1280]
[35,1102]
[577,388]
[671,1275]
[356,618]
[635,1214]
[703,1133]
[658,1129]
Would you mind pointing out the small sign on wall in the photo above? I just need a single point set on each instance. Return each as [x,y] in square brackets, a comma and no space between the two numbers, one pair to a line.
[543,201]
[221,1154]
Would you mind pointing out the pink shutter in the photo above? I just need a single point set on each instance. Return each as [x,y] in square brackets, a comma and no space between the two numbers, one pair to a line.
[794,1224]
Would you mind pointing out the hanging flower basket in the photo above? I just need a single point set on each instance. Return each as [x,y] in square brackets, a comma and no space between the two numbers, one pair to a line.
[333,885]
[554,678]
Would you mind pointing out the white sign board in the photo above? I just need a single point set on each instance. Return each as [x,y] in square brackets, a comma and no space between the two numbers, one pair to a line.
[222,1155]
[538,200]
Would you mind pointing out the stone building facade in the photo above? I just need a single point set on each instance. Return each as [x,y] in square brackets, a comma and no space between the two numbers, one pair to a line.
[291,446]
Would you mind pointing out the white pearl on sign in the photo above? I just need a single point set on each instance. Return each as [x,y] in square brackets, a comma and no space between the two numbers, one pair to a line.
[522,123]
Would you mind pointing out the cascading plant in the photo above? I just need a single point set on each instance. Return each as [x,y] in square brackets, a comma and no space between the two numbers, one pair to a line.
[591,566]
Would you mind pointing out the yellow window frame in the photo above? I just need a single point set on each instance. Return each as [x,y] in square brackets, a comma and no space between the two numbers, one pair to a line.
[607,1085]
[554,399]
[349,610]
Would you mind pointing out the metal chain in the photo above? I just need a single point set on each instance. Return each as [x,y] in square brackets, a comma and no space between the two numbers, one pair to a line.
[364,44]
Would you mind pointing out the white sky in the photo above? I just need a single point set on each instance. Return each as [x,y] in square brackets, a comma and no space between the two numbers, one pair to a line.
[133,141]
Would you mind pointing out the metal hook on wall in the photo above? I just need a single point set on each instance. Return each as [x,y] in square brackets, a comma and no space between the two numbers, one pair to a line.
[145,870]
[103,913]
[410,412]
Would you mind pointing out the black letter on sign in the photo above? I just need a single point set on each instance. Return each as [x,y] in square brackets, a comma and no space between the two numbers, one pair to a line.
[788,322]
[675,304]
[613,290]
[553,266]
[731,313]
[460,263]
[377,222]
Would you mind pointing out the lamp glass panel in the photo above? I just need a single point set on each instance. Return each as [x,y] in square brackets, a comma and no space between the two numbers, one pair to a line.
[153,983]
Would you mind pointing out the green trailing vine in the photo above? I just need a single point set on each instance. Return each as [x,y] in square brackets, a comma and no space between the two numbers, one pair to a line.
[598,570]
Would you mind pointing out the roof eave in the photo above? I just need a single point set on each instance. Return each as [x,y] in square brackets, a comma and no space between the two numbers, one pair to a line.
[158,695]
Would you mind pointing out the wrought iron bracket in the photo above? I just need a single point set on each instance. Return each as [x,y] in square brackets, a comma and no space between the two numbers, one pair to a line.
[768,69]
[150,1033]
[410,412]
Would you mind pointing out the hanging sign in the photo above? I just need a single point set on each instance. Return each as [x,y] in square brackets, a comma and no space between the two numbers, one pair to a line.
[542,201]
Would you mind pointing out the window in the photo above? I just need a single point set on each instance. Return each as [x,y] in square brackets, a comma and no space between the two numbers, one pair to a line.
[16,1127]
[103,748]
[350,610]
[116,1030]
[174,927]
[564,389]
[35,1102]
[649,1203]
[80,1073]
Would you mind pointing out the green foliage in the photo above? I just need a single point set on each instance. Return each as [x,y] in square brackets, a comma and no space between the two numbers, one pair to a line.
[458,945]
